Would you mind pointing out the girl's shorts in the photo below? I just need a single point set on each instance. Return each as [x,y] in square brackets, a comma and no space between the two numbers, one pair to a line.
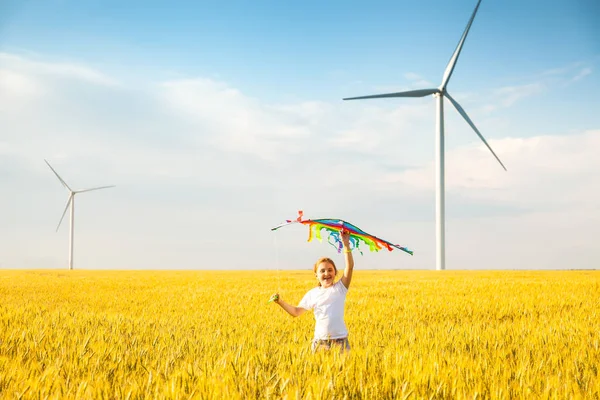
[327,344]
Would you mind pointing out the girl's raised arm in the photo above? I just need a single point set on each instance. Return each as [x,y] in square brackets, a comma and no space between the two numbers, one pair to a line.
[347,278]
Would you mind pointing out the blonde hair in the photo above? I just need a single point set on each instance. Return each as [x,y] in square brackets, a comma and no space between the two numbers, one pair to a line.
[322,260]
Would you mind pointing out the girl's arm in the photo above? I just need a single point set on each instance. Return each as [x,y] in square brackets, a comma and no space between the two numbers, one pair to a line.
[347,278]
[290,309]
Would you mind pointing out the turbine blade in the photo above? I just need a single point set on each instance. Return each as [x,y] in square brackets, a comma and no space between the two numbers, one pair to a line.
[64,212]
[96,188]
[454,58]
[466,117]
[410,93]
[58,176]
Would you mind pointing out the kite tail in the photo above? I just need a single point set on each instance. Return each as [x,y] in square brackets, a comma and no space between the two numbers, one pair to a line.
[335,241]
[355,242]
[310,234]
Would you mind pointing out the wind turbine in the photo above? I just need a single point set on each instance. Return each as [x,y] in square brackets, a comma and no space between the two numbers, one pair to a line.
[439,94]
[71,202]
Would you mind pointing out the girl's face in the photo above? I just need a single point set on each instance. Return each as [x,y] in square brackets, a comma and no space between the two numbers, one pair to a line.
[325,274]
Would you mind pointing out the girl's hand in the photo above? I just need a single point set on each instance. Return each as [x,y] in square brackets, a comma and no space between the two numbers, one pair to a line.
[274,298]
[345,238]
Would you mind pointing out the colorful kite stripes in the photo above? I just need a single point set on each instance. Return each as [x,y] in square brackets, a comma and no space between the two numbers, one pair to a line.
[335,226]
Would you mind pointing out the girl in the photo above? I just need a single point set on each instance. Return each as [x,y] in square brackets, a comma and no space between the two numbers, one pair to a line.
[327,300]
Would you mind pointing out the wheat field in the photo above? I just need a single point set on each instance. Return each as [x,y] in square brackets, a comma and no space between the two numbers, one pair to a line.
[211,335]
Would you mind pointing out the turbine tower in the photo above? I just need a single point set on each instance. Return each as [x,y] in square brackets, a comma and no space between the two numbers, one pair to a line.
[71,202]
[439,94]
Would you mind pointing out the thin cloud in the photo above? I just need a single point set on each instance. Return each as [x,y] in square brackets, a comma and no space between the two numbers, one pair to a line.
[509,95]
[564,70]
[582,74]
[417,81]
[69,70]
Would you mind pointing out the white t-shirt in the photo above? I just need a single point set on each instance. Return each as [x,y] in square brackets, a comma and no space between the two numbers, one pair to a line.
[328,307]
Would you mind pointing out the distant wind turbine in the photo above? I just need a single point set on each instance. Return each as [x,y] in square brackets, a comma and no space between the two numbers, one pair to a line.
[439,93]
[71,202]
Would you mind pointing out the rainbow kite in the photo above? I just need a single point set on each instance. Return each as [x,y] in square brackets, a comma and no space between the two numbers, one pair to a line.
[335,227]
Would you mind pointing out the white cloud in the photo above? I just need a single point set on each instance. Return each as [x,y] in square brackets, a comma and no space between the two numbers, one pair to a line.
[203,170]
[417,81]
[564,70]
[543,170]
[234,121]
[16,85]
[508,96]
[67,70]
[511,94]
[582,74]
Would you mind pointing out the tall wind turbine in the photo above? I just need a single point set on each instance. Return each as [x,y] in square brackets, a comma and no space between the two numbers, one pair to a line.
[439,94]
[71,202]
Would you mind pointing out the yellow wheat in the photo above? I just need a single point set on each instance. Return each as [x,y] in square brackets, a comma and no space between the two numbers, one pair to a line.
[211,335]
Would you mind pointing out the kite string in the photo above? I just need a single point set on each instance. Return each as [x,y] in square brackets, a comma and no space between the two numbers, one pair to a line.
[277,262]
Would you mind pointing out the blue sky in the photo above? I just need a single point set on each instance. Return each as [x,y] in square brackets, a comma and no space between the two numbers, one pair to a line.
[218,120]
